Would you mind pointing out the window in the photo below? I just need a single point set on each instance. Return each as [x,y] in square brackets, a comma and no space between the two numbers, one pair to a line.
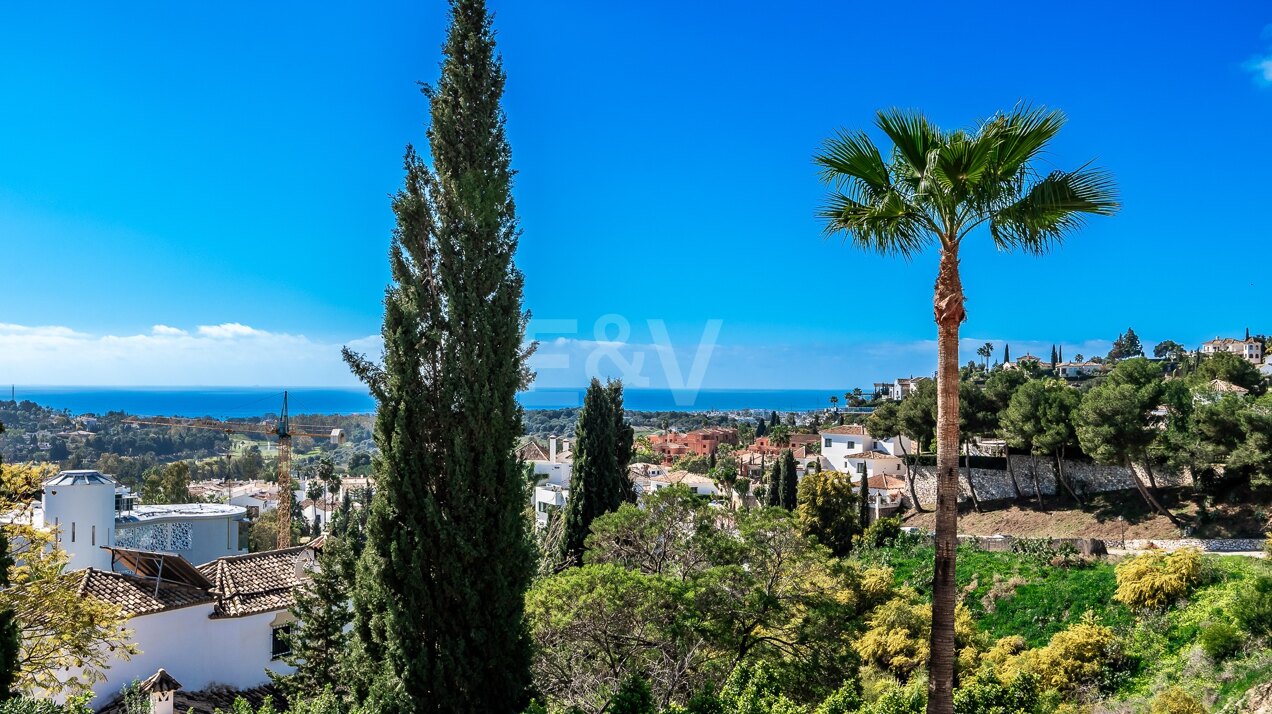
[279,644]
[827,444]
[852,444]
[72,531]
[94,536]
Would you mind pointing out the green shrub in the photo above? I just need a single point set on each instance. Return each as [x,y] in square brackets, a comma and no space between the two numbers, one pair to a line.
[883,533]
[1155,580]
[986,693]
[1176,701]
[846,700]
[1220,641]
[633,697]
[911,699]
[1253,606]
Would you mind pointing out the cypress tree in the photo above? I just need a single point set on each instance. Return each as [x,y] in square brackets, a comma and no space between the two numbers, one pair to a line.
[599,483]
[790,480]
[761,429]
[863,495]
[440,622]
[773,494]
[774,420]
[1055,357]
[1006,353]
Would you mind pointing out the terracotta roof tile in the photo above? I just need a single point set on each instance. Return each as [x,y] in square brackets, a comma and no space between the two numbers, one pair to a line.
[256,582]
[137,595]
[850,429]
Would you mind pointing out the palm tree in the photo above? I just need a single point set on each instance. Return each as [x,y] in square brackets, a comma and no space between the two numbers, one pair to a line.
[935,187]
[986,350]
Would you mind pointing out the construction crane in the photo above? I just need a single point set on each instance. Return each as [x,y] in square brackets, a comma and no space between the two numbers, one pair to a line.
[283,429]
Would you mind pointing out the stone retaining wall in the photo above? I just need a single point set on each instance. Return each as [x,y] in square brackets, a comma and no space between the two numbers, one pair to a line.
[1210,545]
[995,485]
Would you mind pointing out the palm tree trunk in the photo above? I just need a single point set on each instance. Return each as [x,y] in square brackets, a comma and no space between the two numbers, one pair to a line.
[949,314]
[971,487]
[1012,472]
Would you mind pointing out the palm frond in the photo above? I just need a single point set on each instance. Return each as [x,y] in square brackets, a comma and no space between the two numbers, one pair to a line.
[852,156]
[914,137]
[1021,135]
[961,162]
[1052,208]
[891,226]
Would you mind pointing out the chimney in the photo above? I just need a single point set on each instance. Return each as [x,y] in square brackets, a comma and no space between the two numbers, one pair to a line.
[552,448]
[162,689]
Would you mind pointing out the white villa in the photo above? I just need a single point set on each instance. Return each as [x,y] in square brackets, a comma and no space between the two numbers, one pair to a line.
[218,624]
[553,468]
[851,449]
[91,512]
[1249,349]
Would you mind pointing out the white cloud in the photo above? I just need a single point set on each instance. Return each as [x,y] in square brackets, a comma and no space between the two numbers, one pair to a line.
[228,330]
[230,354]
[1261,67]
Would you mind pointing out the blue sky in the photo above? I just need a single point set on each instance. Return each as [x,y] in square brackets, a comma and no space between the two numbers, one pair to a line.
[222,171]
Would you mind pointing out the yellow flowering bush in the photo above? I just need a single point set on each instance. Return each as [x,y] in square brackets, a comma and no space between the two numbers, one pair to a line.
[1155,580]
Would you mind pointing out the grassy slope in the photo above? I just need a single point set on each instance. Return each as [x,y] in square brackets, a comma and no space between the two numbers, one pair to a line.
[1099,518]
[1013,595]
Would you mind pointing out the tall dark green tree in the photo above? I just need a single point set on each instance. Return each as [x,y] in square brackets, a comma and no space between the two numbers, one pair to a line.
[599,483]
[1006,353]
[439,599]
[790,480]
[773,494]
[10,637]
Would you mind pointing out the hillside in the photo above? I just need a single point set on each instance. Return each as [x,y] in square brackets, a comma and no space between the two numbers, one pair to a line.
[1061,518]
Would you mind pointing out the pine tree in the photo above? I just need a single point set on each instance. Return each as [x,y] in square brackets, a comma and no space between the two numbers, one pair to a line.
[599,482]
[319,639]
[773,494]
[790,480]
[439,612]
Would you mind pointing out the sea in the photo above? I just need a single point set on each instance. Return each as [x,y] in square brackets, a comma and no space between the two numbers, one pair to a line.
[239,402]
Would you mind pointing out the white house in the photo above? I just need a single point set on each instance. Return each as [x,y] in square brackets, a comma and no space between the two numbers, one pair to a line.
[90,511]
[842,444]
[1078,370]
[220,623]
[1248,349]
[899,389]
[553,469]
[696,483]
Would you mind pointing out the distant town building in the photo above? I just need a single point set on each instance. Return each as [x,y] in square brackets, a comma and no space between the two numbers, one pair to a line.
[1078,370]
[701,442]
[1248,349]
[899,389]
